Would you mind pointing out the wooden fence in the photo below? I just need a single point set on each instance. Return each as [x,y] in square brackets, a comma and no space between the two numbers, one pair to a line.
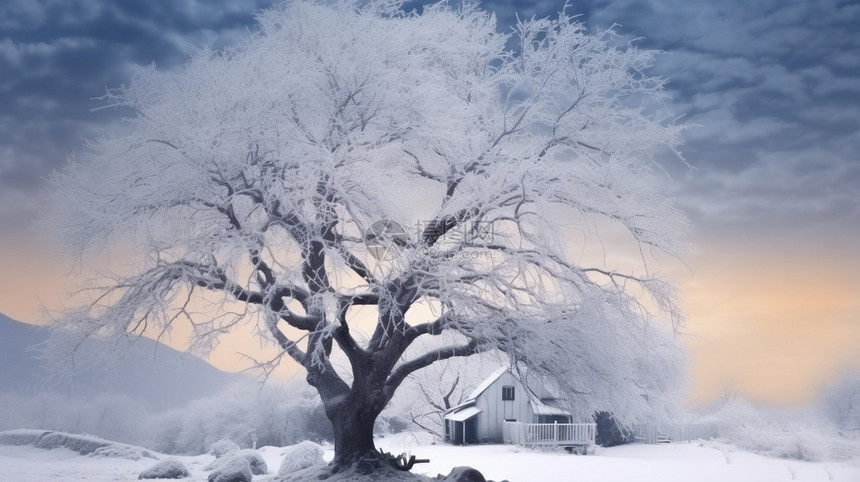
[652,433]
[844,451]
[563,434]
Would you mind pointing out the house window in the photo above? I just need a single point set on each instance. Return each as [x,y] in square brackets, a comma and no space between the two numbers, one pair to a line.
[507,393]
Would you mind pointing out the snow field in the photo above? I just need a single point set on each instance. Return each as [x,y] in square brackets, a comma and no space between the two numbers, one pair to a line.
[699,462]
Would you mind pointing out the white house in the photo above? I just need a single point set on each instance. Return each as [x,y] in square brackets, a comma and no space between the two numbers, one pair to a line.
[502,398]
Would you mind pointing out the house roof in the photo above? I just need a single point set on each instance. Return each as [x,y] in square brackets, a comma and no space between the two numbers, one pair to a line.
[461,406]
[486,383]
[540,406]
[464,414]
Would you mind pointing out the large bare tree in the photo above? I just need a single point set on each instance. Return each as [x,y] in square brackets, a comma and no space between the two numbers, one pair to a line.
[350,166]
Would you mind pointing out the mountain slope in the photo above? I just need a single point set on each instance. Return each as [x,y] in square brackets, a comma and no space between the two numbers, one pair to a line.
[156,375]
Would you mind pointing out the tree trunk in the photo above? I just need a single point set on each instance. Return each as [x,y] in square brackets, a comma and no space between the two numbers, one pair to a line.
[353,409]
[353,438]
[353,422]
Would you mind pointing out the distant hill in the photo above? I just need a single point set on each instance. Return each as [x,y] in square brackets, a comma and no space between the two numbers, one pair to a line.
[156,375]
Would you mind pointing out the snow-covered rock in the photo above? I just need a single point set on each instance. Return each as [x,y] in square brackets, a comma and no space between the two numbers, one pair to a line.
[166,469]
[222,448]
[21,437]
[82,444]
[254,459]
[682,462]
[122,451]
[215,464]
[462,474]
[235,469]
[301,456]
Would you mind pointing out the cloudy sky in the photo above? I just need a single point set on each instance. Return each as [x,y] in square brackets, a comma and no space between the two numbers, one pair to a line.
[772,86]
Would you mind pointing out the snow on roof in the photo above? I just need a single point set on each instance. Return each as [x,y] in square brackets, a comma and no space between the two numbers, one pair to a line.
[464,414]
[486,383]
[540,406]
[462,405]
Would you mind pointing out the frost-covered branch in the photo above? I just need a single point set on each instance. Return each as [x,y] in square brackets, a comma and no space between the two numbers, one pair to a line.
[401,372]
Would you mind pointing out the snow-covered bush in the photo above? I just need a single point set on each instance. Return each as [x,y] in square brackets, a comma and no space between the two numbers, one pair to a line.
[114,417]
[840,404]
[792,435]
[277,414]
[300,456]
[790,442]
[166,469]
[286,413]
[208,420]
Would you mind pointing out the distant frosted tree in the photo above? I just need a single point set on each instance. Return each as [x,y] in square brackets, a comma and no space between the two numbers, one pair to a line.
[356,178]
[426,396]
[841,403]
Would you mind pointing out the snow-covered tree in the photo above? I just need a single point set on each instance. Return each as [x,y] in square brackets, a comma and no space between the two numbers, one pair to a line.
[426,396]
[840,403]
[357,179]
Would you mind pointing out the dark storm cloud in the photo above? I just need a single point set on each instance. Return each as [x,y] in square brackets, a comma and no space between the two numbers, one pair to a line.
[57,55]
[773,85]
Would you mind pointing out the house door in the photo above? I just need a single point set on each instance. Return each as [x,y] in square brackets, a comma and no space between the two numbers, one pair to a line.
[465,432]
[471,429]
[458,433]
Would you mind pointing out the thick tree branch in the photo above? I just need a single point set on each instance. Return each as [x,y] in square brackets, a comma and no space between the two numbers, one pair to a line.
[356,264]
[357,355]
[431,328]
[289,346]
[363,299]
[441,226]
[306,323]
[400,373]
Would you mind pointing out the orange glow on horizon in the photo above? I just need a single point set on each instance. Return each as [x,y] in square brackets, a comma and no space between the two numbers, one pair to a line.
[773,321]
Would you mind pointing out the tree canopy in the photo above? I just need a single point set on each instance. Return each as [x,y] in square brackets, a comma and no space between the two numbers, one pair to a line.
[250,178]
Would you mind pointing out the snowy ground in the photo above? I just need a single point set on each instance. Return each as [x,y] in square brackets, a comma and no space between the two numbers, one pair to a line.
[641,463]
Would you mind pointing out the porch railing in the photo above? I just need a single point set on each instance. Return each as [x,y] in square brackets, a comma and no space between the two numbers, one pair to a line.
[549,433]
